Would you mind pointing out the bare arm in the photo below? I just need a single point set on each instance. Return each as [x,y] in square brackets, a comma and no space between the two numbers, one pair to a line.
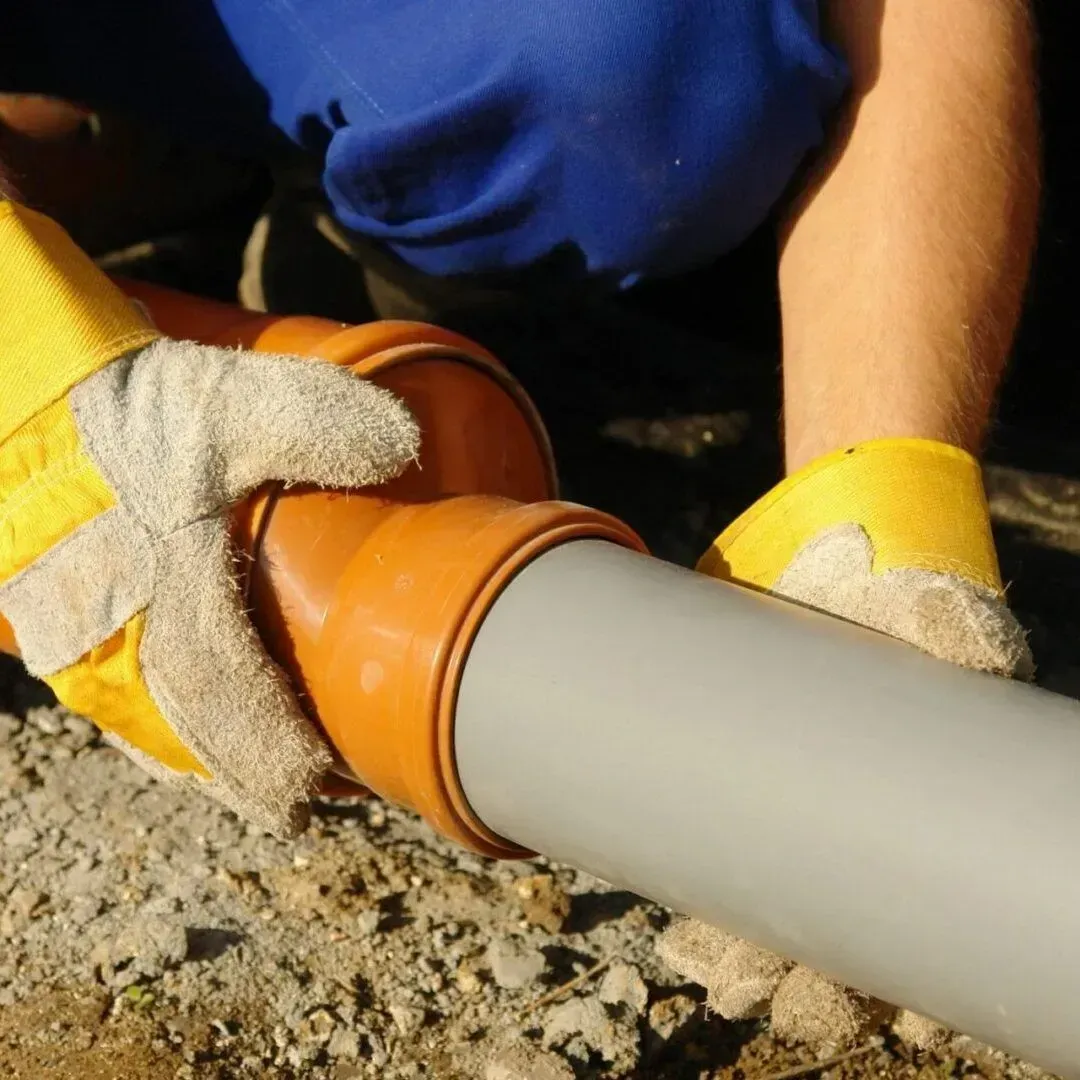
[904,260]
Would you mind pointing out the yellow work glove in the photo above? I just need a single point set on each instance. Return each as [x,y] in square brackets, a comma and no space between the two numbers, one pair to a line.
[895,535]
[121,452]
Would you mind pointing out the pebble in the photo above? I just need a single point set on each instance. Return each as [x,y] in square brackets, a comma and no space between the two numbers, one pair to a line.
[513,965]
[83,909]
[19,836]
[80,733]
[543,902]
[23,906]
[348,1072]
[343,1045]
[669,1014]
[47,721]
[582,1024]
[521,1062]
[407,1018]
[318,1026]
[622,984]
[367,921]
[466,977]
[145,947]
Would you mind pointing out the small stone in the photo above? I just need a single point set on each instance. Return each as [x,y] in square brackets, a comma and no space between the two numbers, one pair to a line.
[378,1055]
[623,985]
[407,1018]
[543,902]
[513,966]
[318,1026]
[47,721]
[669,1014]
[20,836]
[582,1024]
[466,977]
[343,1045]
[367,921]
[522,1062]
[23,906]
[146,947]
[80,733]
[919,1031]
[84,909]
[162,905]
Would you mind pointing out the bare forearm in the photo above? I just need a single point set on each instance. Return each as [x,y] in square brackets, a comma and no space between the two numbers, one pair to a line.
[903,263]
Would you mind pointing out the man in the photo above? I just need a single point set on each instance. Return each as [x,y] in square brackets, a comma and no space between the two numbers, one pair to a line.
[896,142]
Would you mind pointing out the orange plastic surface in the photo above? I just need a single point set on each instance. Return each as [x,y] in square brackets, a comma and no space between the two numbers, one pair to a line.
[370,600]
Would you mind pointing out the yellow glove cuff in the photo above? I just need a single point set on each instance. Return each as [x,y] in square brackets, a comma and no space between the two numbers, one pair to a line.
[921,503]
[60,317]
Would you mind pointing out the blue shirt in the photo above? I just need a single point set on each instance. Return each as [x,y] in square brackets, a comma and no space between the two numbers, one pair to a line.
[629,137]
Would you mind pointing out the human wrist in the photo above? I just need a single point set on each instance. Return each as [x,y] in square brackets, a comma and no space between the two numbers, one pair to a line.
[920,502]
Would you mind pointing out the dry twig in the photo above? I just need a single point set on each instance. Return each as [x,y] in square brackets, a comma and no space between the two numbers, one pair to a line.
[817,1066]
[571,984]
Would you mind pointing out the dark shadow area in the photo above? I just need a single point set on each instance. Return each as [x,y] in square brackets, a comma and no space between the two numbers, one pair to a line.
[563,964]
[682,1048]
[207,943]
[590,910]
[393,912]
[363,994]
[601,373]
[1040,406]
[1045,594]
[19,691]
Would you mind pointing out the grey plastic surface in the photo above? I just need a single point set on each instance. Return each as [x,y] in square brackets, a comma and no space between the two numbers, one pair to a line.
[910,828]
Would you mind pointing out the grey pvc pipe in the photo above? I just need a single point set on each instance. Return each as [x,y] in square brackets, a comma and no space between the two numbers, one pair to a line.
[907,827]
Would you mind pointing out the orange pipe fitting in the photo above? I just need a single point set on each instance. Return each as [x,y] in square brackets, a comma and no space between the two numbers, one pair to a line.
[370,600]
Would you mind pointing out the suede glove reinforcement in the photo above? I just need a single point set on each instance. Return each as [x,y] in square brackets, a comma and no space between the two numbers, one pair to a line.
[894,535]
[121,453]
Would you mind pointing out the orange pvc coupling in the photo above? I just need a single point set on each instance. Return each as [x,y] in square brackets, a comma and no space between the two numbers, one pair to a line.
[370,600]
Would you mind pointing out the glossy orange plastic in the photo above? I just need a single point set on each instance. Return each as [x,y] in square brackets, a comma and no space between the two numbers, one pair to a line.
[370,600]
[7,638]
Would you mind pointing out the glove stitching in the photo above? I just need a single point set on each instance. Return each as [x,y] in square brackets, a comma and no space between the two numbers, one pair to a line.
[935,564]
[62,469]
[115,349]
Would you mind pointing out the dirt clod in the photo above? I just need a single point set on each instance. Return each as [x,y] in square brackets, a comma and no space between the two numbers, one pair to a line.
[519,1062]
[543,902]
[513,965]
[582,1026]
